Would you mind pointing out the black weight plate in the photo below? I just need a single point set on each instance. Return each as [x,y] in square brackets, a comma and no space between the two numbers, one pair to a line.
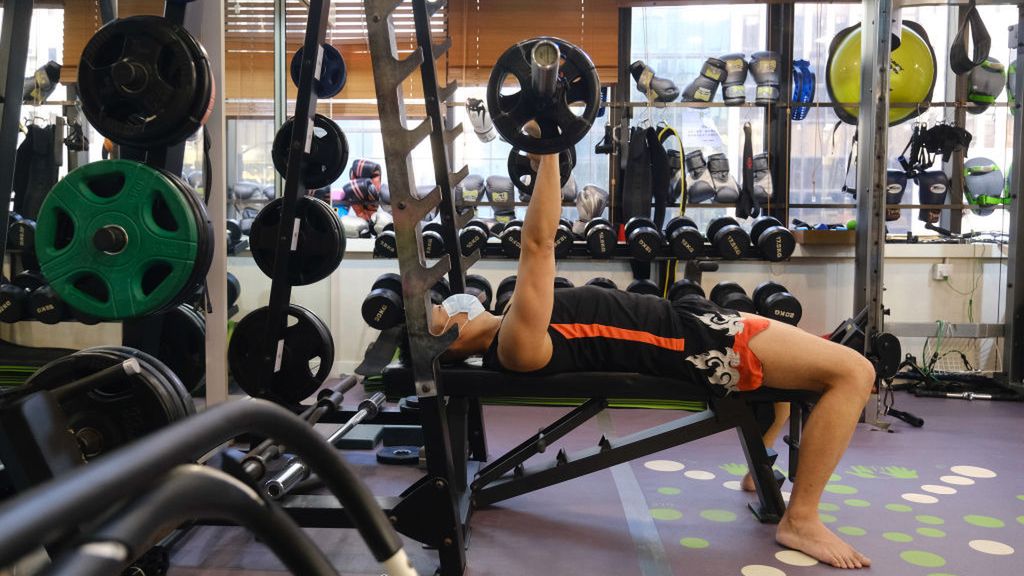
[409,405]
[524,177]
[328,152]
[234,289]
[401,455]
[320,246]
[145,82]
[204,242]
[602,282]
[183,345]
[512,103]
[644,286]
[179,397]
[113,415]
[307,342]
[333,72]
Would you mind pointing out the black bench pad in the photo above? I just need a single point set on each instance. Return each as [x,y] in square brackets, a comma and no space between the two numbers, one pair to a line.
[472,380]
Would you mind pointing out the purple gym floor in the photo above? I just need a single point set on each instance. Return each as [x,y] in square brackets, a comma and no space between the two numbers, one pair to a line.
[943,500]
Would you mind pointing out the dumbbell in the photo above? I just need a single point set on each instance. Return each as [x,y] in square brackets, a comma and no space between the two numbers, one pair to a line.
[474,236]
[14,296]
[643,238]
[504,293]
[732,296]
[386,245]
[684,238]
[21,235]
[644,286]
[563,238]
[562,282]
[383,307]
[433,243]
[234,289]
[601,238]
[772,300]
[602,282]
[683,288]
[479,286]
[512,238]
[728,240]
[773,240]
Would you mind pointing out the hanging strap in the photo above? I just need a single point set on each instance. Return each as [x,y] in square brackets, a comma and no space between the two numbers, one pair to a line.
[958,59]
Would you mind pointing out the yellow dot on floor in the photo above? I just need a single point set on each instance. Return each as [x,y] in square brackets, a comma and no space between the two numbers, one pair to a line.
[932,520]
[851,531]
[931,532]
[695,543]
[666,514]
[827,518]
[856,503]
[923,559]
[828,507]
[983,521]
[718,515]
[795,558]
[840,489]
[898,508]
[669,491]
[897,537]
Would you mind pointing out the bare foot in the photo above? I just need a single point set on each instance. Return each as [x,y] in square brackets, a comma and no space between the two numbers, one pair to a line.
[748,483]
[814,539]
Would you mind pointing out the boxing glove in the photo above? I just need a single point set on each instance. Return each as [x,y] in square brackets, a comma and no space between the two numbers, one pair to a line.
[654,88]
[365,169]
[469,190]
[764,67]
[591,202]
[675,180]
[380,220]
[385,195]
[704,86]
[700,187]
[733,91]
[480,120]
[895,186]
[762,179]
[360,191]
[931,189]
[498,190]
[726,189]
[569,191]
[355,227]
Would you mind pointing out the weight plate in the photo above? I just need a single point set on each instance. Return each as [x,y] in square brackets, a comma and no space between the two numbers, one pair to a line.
[183,345]
[305,358]
[402,455]
[332,71]
[110,416]
[205,240]
[328,152]
[234,289]
[145,82]
[178,394]
[513,103]
[319,248]
[118,239]
[523,175]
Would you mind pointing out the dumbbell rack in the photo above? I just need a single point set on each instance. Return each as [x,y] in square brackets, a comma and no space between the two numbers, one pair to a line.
[444,421]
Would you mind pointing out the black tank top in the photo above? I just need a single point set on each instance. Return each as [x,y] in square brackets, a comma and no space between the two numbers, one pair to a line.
[597,329]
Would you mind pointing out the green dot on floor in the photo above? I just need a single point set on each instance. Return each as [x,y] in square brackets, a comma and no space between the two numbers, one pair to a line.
[852,531]
[668,491]
[1020,496]
[827,518]
[931,532]
[898,508]
[718,515]
[1020,519]
[837,478]
[694,543]
[924,559]
[983,521]
[897,537]
[856,503]
[666,514]
[828,507]
[840,489]
[933,520]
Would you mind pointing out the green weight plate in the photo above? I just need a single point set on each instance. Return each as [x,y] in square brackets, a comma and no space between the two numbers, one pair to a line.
[117,239]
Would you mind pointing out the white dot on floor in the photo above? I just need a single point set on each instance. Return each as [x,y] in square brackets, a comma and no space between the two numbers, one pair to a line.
[699,475]
[919,498]
[973,471]
[795,558]
[664,465]
[991,547]
[937,489]
[957,480]
[733,485]
[761,570]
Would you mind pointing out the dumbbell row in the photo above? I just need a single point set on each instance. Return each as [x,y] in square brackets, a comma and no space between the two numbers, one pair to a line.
[724,238]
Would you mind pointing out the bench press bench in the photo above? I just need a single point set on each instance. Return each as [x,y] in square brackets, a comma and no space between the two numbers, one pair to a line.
[507,476]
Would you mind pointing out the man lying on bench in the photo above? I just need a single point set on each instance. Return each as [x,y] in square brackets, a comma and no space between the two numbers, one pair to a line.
[544,331]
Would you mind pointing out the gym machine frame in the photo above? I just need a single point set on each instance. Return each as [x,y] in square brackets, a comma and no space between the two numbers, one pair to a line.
[17,22]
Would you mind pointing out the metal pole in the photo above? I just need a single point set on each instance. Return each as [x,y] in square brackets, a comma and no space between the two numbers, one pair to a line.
[956,91]
[280,77]
[1013,351]
[14,54]
[777,136]
[876,33]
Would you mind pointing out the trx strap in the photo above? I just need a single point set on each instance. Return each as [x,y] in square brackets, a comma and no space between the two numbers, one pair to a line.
[675,164]
[745,205]
[659,176]
[803,88]
[958,59]
[35,169]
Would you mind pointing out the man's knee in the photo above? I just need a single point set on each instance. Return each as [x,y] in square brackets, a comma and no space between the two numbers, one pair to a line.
[855,375]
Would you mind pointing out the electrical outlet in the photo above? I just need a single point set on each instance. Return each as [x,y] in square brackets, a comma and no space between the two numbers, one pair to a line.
[941,271]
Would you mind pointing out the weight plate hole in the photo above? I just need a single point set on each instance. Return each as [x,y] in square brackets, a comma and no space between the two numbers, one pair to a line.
[93,286]
[154,276]
[106,185]
[510,86]
[64,231]
[162,215]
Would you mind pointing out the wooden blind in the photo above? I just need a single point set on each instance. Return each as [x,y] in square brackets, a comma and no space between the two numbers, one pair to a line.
[82,19]
[482,29]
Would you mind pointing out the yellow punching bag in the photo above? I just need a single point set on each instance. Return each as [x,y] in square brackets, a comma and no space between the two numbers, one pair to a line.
[911,73]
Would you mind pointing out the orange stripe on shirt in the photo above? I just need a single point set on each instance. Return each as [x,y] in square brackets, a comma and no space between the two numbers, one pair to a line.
[572,331]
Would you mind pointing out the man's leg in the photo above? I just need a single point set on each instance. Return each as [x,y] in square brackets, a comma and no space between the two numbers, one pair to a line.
[781,417]
[844,378]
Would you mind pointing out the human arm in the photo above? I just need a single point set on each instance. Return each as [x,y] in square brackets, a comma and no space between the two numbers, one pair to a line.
[523,342]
